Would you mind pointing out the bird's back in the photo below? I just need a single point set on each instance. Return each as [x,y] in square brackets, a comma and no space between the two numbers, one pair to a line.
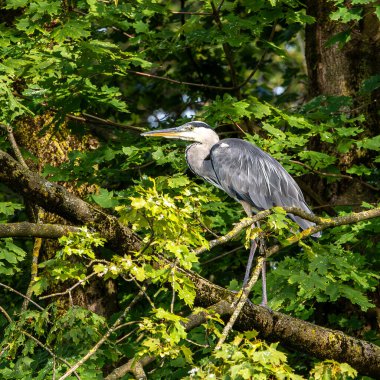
[248,174]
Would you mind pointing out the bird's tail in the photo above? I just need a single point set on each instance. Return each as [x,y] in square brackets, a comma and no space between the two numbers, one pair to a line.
[305,224]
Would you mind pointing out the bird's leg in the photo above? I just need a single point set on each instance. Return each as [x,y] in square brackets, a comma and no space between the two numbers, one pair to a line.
[262,249]
[250,260]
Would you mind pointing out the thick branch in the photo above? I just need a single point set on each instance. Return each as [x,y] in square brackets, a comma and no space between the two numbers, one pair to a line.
[25,229]
[58,200]
[292,332]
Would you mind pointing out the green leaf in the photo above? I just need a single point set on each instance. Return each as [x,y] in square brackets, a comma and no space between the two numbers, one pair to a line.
[14,4]
[370,84]
[359,170]
[346,15]
[377,11]
[274,131]
[317,160]
[140,27]
[259,109]
[340,38]
[370,143]
[9,208]
[178,181]
[72,29]
[105,198]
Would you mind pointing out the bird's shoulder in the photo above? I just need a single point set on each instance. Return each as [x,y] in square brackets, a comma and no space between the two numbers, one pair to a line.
[235,146]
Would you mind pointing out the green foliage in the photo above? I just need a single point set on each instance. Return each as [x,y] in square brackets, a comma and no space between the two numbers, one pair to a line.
[330,369]
[75,62]
[71,335]
[323,273]
[11,254]
[172,221]
[10,257]
[65,266]
[245,358]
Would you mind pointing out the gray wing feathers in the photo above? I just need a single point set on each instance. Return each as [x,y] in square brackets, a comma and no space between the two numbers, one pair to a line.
[247,173]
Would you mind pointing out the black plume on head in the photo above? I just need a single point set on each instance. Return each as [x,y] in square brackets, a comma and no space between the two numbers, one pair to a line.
[198,124]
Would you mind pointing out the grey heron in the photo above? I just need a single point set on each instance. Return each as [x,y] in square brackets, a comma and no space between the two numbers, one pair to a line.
[245,172]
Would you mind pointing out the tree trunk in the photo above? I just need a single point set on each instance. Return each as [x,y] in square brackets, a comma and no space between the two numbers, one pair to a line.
[340,71]
[335,70]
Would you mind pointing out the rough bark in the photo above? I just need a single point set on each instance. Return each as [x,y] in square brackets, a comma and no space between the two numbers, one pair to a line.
[292,332]
[312,339]
[335,70]
[58,200]
[25,229]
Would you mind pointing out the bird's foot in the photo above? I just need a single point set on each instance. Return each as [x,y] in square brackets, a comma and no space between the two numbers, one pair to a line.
[265,305]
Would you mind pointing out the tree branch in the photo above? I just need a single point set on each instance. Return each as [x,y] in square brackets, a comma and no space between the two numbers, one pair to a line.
[239,304]
[103,338]
[85,118]
[227,49]
[26,229]
[193,320]
[69,290]
[307,337]
[321,224]
[58,200]
[337,175]
[22,295]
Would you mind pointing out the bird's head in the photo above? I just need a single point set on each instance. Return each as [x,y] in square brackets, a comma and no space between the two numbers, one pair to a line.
[195,131]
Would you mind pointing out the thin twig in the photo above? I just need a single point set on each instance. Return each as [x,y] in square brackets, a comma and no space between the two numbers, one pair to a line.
[205,227]
[220,6]
[34,271]
[14,145]
[197,344]
[339,205]
[22,295]
[143,289]
[222,255]
[236,125]
[6,315]
[92,118]
[127,335]
[226,48]
[103,338]
[173,287]
[191,13]
[337,175]
[244,293]
[180,82]
[253,72]
[69,290]
[126,324]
